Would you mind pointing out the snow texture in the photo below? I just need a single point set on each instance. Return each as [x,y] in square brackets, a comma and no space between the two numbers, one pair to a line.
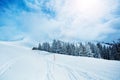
[21,63]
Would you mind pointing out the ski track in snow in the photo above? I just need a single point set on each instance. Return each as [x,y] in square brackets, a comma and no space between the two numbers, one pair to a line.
[72,73]
[49,71]
[6,66]
[76,73]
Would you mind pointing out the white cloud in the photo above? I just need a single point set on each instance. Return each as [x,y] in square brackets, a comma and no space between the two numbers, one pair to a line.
[74,20]
[82,19]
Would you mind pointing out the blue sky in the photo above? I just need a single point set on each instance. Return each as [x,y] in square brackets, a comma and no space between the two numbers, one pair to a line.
[70,20]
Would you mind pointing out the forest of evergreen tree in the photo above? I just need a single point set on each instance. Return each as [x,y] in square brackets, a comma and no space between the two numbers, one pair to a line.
[109,51]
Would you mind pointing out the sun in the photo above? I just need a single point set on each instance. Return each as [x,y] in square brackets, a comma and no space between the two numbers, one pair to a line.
[88,8]
[88,4]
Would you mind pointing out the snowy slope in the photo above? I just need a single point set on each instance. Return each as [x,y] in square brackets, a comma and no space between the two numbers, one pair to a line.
[21,63]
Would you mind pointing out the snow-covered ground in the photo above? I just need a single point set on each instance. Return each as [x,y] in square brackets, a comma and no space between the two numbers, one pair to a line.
[21,63]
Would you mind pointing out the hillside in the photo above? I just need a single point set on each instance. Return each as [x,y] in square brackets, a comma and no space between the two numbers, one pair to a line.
[21,63]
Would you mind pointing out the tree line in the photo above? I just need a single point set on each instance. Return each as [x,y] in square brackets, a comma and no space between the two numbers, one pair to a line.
[110,51]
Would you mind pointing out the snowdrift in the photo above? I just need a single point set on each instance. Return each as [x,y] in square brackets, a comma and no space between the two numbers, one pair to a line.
[21,63]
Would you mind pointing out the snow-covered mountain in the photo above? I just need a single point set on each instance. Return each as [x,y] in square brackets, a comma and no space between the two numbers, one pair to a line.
[21,63]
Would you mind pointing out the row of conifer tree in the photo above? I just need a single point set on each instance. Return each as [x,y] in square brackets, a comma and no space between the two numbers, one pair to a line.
[110,51]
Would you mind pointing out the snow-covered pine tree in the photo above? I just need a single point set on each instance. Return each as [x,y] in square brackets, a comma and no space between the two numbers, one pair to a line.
[83,53]
[68,49]
[88,50]
[58,46]
[72,47]
[101,51]
[39,46]
[63,48]
[54,46]
[46,46]
[95,50]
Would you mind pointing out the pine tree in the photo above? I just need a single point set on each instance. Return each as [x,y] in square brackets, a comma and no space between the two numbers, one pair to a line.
[84,51]
[39,47]
[68,49]
[76,50]
[95,50]
[46,46]
[116,48]
[54,46]
[63,48]
[88,50]
[58,46]
[80,49]
[101,51]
